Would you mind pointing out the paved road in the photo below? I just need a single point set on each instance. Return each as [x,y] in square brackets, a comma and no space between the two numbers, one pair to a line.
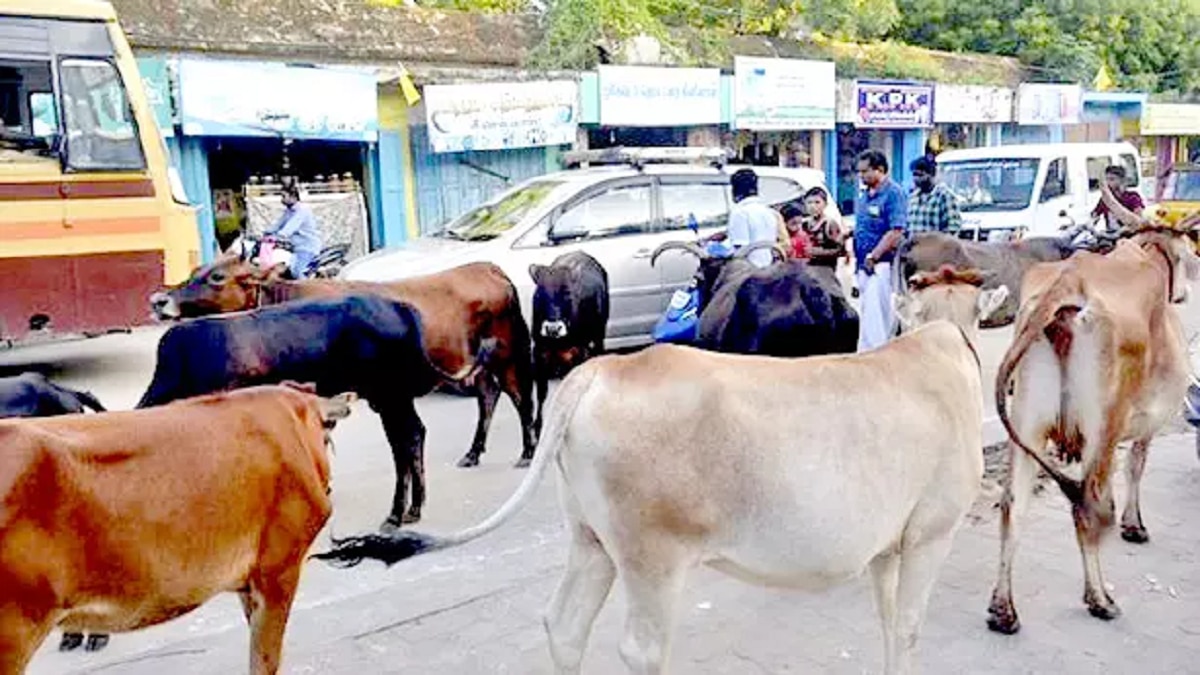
[477,609]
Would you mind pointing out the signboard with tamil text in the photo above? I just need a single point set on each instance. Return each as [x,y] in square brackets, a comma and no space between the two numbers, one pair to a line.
[496,116]
[1049,104]
[967,104]
[634,96]
[783,94]
[893,105]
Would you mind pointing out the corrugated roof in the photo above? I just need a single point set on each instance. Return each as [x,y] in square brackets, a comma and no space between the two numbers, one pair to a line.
[326,30]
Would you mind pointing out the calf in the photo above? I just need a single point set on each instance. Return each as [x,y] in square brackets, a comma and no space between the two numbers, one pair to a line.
[461,309]
[1097,359]
[570,317]
[124,520]
[753,480]
[362,343]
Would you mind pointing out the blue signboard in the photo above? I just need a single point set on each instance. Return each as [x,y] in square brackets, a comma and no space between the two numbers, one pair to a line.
[232,98]
[156,81]
[893,105]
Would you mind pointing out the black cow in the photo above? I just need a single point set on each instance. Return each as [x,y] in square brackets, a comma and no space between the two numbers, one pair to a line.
[33,395]
[570,317]
[358,342]
[781,310]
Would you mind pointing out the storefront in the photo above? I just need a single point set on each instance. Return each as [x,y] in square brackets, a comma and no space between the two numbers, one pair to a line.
[652,106]
[1169,135]
[1107,116]
[783,111]
[476,140]
[890,116]
[246,127]
[969,116]
[1044,113]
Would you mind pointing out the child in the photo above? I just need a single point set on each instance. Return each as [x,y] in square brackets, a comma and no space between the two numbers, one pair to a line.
[799,243]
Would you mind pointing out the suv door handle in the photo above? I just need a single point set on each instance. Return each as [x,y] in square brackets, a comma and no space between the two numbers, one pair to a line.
[642,253]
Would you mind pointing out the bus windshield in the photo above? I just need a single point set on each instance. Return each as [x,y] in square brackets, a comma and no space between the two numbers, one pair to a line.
[990,184]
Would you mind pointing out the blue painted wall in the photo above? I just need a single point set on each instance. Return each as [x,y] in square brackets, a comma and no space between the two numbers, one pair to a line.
[448,184]
[193,170]
[393,222]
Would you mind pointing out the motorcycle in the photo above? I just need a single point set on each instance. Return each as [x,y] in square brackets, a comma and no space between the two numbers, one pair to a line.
[268,252]
[681,322]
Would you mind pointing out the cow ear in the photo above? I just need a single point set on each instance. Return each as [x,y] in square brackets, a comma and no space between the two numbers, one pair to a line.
[905,308]
[990,301]
[536,271]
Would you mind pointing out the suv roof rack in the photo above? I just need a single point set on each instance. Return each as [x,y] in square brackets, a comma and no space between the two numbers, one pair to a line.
[639,157]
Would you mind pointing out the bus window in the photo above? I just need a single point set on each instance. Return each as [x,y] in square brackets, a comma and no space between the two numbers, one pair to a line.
[25,92]
[45,114]
[101,132]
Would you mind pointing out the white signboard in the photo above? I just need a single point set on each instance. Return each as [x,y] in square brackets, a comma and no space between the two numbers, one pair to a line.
[783,94]
[635,96]
[1047,104]
[958,104]
[466,117]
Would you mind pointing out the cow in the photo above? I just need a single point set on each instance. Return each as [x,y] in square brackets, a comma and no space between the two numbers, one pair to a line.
[752,480]
[33,395]
[570,317]
[364,343]
[124,520]
[781,310]
[1097,359]
[460,309]
[1002,263]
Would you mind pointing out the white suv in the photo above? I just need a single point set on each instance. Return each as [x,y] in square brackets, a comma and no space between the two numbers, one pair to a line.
[619,214]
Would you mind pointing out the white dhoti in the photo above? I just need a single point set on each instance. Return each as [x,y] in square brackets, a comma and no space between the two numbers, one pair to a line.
[876,320]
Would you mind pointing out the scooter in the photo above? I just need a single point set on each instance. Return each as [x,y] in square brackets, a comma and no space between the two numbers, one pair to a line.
[681,322]
[268,251]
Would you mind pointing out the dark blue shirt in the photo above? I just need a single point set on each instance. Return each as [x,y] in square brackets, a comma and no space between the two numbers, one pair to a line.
[875,215]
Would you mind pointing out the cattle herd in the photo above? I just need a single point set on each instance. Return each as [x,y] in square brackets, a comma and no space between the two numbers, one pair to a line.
[796,472]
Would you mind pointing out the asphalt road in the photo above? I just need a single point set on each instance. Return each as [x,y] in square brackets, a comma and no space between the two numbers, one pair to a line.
[477,609]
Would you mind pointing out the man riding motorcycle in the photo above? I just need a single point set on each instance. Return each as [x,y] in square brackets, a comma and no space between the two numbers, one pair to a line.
[298,227]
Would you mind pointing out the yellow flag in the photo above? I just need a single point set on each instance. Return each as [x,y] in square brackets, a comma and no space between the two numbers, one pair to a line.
[1103,80]
[411,95]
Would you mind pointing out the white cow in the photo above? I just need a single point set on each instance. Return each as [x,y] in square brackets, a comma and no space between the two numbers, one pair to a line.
[799,473]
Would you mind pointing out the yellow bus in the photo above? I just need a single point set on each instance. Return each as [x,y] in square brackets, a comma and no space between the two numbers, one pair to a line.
[92,217]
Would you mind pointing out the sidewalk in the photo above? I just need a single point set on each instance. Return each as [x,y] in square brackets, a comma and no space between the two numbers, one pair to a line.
[477,609]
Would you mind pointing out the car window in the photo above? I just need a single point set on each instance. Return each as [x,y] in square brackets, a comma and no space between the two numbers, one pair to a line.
[1095,171]
[776,190]
[1132,178]
[1056,180]
[706,203]
[623,209]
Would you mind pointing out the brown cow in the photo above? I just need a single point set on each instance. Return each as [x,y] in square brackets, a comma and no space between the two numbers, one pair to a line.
[459,308]
[119,521]
[1098,359]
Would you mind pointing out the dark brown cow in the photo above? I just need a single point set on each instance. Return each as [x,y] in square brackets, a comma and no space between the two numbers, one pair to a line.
[459,308]
[119,521]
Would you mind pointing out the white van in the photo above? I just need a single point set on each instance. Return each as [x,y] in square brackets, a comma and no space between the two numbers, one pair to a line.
[1031,190]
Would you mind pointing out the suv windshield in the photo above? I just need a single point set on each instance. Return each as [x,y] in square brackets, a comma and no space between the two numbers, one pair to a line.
[494,219]
[990,184]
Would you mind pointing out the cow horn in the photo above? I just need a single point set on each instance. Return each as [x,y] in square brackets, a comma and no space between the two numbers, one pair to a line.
[1124,215]
[690,247]
[758,245]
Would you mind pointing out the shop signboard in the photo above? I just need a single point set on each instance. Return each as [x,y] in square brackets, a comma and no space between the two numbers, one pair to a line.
[968,104]
[771,94]
[1170,119]
[637,96]
[893,105]
[156,81]
[464,117]
[233,98]
[1049,104]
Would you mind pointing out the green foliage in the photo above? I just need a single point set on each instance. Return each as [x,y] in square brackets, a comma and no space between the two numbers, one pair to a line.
[1146,44]
[478,6]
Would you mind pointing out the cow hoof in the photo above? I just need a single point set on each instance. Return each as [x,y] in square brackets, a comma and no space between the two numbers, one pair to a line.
[1002,618]
[1135,534]
[96,642]
[70,642]
[391,525]
[413,516]
[468,462]
[523,463]
[1104,612]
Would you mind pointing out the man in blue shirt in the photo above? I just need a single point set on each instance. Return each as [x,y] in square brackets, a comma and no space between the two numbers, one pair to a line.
[880,223]
[297,226]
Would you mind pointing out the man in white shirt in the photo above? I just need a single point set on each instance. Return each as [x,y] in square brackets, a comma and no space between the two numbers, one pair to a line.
[751,220]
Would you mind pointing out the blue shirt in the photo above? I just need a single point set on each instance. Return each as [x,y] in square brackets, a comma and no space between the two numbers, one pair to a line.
[298,225]
[875,215]
[752,221]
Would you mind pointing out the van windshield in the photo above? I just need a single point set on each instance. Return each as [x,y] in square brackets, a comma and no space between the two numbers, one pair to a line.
[990,184]
[495,218]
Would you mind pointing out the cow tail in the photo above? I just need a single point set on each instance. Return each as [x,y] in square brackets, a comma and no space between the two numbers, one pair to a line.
[1051,317]
[392,548]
